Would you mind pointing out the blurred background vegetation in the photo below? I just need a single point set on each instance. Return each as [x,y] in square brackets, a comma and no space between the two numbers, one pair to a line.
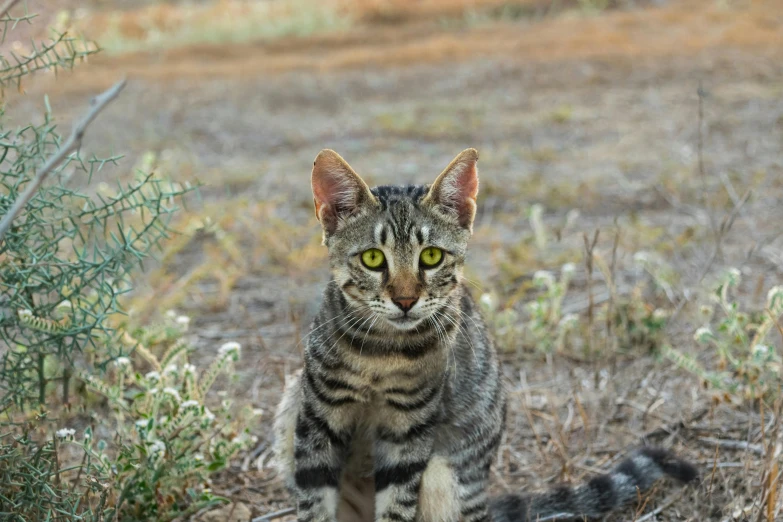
[627,250]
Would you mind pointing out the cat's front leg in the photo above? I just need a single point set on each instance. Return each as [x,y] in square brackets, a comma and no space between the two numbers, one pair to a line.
[402,452]
[320,449]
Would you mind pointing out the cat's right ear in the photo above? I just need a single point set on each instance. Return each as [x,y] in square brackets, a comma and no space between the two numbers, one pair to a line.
[338,191]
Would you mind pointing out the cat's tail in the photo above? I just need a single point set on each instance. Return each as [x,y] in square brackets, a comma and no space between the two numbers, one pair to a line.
[600,495]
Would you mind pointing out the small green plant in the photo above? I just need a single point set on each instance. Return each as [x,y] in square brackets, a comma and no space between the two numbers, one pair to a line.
[663,276]
[167,441]
[745,364]
[546,328]
[636,324]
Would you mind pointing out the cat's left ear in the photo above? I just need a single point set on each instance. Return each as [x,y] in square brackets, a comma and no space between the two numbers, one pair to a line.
[454,192]
[338,191]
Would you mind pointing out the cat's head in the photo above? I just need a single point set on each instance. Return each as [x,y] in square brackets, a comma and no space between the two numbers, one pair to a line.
[396,252]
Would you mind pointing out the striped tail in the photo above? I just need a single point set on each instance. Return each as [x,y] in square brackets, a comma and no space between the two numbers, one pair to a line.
[600,495]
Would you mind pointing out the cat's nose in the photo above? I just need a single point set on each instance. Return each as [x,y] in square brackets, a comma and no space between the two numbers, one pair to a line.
[405,303]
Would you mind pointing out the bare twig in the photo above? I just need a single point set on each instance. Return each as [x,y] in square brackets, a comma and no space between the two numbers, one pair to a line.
[719,230]
[7,7]
[657,511]
[742,445]
[253,455]
[589,248]
[714,469]
[276,514]
[700,151]
[772,472]
[677,426]
[73,143]
[612,295]
[720,233]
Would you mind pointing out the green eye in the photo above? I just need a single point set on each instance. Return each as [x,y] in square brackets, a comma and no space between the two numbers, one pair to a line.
[431,256]
[373,258]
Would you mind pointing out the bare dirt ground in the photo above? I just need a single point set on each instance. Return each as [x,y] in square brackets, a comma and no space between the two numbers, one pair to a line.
[594,113]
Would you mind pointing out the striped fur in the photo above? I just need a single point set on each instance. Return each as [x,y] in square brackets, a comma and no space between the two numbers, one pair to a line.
[398,413]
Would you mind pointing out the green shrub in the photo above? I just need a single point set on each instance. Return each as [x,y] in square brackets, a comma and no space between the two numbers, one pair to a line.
[744,363]
[32,483]
[151,443]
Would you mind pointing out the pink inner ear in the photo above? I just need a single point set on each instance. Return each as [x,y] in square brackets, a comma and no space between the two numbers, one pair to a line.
[468,181]
[325,188]
[459,190]
[337,190]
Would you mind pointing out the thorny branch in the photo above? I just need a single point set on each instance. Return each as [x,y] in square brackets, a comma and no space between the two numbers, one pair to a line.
[7,7]
[73,143]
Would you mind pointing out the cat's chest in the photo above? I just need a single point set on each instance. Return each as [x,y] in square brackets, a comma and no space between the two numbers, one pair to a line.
[377,381]
[377,385]
[378,376]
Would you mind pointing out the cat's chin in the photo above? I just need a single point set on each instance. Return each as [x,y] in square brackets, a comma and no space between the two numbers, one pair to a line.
[404,324]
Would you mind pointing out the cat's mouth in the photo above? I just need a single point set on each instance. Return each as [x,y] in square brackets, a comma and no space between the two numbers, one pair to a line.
[404,322]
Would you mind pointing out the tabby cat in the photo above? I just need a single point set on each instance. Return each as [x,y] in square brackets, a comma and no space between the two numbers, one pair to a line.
[400,408]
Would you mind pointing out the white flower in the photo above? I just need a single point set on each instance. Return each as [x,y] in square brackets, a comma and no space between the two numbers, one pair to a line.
[487,301]
[152,376]
[198,457]
[775,298]
[153,391]
[182,320]
[543,277]
[87,434]
[208,415]
[172,392]
[142,423]
[760,349]
[189,404]
[157,447]
[171,314]
[569,321]
[257,412]
[170,369]
[189,369]
[65,433]
[569,268]
[641,257]
[230,348]
[703,334]
[733,276]
[121,362]
[25,313]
